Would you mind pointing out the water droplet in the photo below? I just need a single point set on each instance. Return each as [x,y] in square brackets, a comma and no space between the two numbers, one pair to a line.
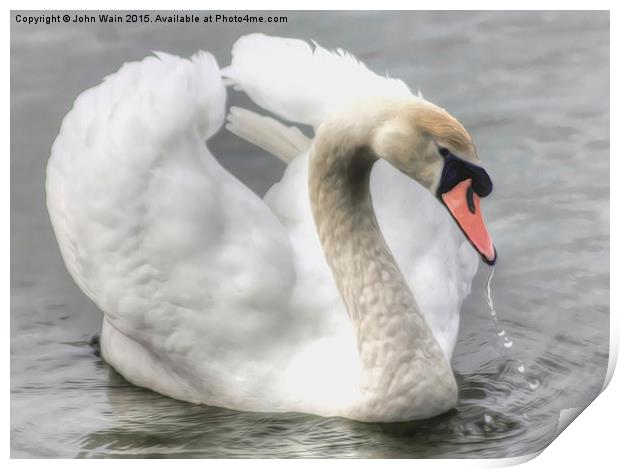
[521,368]
[488,419]
[534,384]
[525,416]
[501,333]
[493,313]
[488,292]
[508,344]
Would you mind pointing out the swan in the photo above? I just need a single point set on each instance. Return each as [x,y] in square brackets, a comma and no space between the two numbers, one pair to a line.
[338,294]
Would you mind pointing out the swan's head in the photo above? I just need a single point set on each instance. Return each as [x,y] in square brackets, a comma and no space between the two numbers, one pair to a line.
[432,147]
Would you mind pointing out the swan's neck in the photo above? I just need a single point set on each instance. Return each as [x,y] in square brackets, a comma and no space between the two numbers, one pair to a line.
[403,367]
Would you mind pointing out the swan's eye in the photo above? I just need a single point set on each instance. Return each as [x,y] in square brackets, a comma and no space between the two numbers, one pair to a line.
[444,151]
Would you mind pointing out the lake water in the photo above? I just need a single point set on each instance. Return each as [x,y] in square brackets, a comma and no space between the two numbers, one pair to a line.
[532,88]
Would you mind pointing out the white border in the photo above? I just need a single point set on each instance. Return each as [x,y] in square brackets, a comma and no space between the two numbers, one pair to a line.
[590,440]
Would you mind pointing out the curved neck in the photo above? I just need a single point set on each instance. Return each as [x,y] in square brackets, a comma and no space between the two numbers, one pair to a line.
[395,343]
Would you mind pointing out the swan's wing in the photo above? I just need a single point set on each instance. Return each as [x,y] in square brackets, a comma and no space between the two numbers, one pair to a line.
[284,142]
[180,256]
[300,83]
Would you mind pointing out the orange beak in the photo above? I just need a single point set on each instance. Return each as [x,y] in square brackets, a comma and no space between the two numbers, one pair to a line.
[464,205]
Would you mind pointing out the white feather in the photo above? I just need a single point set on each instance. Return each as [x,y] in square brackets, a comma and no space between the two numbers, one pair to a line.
[289,78]
[281,141]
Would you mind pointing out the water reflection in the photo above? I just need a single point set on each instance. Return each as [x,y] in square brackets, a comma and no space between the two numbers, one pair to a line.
[148,424]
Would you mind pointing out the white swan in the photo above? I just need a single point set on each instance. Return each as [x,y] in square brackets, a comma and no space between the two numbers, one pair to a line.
[214,296]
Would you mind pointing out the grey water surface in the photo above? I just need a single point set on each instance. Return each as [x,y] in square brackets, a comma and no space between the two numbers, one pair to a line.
[532,88]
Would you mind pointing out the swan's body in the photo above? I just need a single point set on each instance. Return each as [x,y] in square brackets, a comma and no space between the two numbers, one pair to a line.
[214,296]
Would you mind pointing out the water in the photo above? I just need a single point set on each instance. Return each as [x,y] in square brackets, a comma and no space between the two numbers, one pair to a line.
[533,89]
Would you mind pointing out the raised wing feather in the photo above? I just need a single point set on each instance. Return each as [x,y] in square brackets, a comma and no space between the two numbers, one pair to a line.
[301,84]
